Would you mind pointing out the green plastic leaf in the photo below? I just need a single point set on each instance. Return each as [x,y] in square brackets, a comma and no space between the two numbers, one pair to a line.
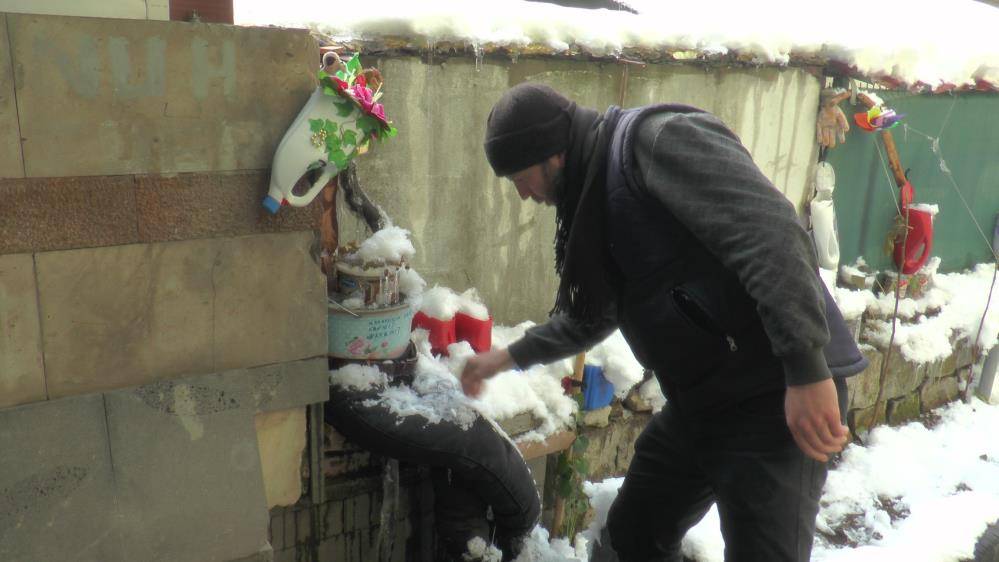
[344,108]
[322,75]
[367,123]
[354,65]
[332,129]
[316,125]
[349,137]
[341,75]
[391,132]
[329,91]
[339,159]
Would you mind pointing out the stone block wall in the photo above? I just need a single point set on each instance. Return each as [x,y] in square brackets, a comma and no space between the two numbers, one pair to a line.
[160,334]
[910,390]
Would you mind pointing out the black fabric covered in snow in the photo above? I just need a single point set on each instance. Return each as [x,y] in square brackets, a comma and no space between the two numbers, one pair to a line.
[474,468]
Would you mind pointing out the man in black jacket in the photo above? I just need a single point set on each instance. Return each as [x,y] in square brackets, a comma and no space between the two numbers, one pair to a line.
[666,229]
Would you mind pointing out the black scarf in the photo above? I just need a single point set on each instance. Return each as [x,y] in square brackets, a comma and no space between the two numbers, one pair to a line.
[586,287]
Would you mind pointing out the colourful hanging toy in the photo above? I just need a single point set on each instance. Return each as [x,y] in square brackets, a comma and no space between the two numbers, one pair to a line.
[877,118]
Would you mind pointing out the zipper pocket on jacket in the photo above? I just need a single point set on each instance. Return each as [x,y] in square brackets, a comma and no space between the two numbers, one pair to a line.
[698,315]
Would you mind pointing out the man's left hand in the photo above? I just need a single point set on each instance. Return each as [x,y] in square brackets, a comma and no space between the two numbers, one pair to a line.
[812,413]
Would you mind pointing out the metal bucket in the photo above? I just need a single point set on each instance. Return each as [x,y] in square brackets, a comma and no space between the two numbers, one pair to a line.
[380,286]
[380,333]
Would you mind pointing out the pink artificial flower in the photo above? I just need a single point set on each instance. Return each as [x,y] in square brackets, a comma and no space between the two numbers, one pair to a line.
[378,111]
[361,80]
[363,95]
[340,84]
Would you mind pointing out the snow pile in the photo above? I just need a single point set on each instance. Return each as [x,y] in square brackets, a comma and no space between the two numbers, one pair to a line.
[621,369]
[411,284]
[540,548]
[390,245]
[960,299]
[947,478]
[949,310]
[357,377]
[941,486]
[933,43]
[537,391]
[479,551]
[443,303]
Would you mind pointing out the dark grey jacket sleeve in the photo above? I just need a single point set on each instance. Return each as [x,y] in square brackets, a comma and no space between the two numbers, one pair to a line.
[701,172]
[558,338]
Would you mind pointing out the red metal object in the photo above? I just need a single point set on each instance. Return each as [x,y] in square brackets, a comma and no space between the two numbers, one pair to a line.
[478,333]
[442,332]
[911,255]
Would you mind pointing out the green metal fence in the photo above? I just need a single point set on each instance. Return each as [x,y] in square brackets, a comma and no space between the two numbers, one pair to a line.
[950,144]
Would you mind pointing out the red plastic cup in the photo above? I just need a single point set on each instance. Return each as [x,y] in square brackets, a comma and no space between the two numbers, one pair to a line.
[478,333]
[442,332]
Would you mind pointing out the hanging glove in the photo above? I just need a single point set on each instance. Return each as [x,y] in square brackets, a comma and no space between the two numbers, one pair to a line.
[831,123]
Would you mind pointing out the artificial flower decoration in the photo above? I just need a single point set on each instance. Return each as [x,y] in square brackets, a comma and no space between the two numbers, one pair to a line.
[357,105]
[877,118]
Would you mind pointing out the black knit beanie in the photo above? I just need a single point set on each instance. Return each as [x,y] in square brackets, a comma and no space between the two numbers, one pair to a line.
[529,124]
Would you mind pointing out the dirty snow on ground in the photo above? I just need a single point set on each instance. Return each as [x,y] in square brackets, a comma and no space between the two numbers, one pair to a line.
[942,486]
[913,41]
[949,310]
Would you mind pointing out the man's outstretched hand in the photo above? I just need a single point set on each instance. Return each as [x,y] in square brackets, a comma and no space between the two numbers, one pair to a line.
[812,413]
[483,366]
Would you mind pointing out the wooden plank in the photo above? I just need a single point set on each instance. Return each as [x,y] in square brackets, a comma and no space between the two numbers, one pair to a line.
[555,443]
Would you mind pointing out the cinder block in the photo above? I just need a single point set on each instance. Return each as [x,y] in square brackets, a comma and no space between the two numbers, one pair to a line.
[11,165]
[57,491]
[22,375]
[270,300]
[46,214]
[151,96]
[126,315]
[195,491]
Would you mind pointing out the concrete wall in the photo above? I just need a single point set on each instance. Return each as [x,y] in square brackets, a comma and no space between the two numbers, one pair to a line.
[471,229]
[126,9]
[161,334]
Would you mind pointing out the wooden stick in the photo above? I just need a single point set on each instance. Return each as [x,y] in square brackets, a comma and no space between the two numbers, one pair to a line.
[328,227]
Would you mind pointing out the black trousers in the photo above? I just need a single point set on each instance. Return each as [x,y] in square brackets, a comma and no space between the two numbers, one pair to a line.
[743,458]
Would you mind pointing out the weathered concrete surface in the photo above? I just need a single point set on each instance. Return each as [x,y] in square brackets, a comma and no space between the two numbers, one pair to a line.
[189,206]
[471,229]
[128,315]
[281,438]
[45,214]
[57,213]
[11,165]
[22,374]
[270,300]
[130,9]
[862,420]
[190,421]
[57,490]
[80,482]
[148,96]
